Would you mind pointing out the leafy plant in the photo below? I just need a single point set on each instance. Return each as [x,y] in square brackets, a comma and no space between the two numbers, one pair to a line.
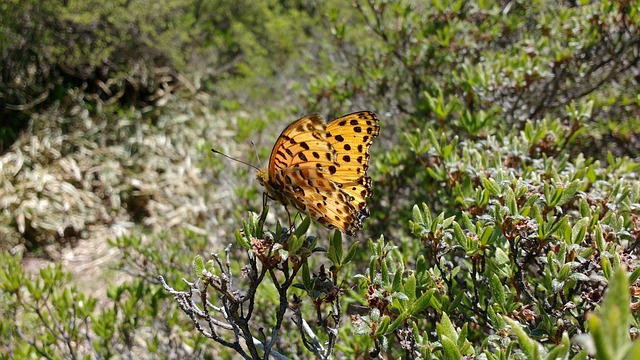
[506,200]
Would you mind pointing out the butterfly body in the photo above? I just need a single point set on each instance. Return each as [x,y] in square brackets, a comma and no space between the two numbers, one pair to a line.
[321,169]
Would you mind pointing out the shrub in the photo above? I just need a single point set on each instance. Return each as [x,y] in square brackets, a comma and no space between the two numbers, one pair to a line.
[533,247]
[506,195]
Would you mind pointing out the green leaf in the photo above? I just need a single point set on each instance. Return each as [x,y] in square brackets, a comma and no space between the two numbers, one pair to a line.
[434,142]
[529,347]
[579,230]
[417,215]
[421,265]
[306,276]
[384,272]
[460,237]
[510,202]
[426,215]
[606,267]
[210,266]
[295,243]
[581,355]
[383,325]
[463,344]
[585,210]
[259,227]
[198,266]
[450,349]
[600,243]
[422,302]
[560,351]
[399,320]
[610,328]
[242,240]
[301,230]
[410,287]
[569,192]
[351,253]
[336,244]
[251,225]
[445,328]
[491,185]
[397,281]
[446,223]
[401,296]
[486,234]
[497,291]
[634,275]
[634,351]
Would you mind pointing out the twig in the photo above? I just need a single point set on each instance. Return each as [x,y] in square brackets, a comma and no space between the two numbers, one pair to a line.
[31,104]
[183,299]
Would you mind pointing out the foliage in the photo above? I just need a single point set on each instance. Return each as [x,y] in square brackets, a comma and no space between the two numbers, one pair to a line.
[131,52]
[609,333]
[47,317]
[461,64]
[537,252]
[96,170]
[477,68]
[506,196]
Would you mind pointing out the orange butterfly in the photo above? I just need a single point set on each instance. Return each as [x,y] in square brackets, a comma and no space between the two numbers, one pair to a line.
[321,169]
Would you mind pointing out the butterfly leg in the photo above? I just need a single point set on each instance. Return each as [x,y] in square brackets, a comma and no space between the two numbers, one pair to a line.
[291,224]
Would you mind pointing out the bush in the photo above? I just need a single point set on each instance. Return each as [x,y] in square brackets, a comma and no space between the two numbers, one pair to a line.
[474,69]
[522,253]
[135,53]
[506,197]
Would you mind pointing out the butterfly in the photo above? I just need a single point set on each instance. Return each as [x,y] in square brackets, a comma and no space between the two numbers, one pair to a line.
[321,169]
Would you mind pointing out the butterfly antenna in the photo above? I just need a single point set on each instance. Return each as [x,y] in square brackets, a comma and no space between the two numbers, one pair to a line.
[255,148]
[234,159]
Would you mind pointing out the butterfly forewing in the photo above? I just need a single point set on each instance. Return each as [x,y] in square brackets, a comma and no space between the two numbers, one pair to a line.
[320,169]
[302,142]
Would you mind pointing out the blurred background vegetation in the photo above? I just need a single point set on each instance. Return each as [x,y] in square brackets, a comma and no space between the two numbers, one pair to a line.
[505,177]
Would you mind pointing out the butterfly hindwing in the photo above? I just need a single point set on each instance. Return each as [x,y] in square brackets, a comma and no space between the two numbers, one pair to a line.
[316,194]
[351,137]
